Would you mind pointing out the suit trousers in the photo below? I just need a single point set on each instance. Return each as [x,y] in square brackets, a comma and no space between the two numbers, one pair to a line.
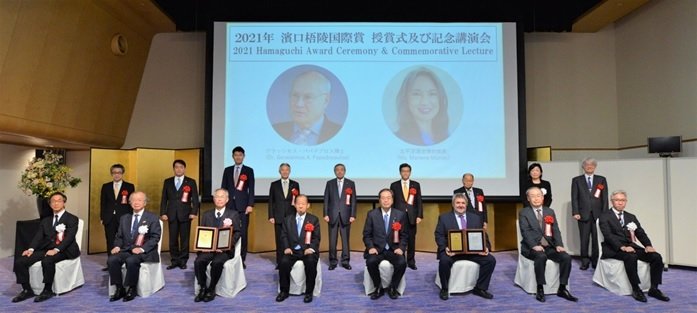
[630,265]
[110,230]
[286,265]
[540,259]
[372,262]
[588,233]
[411,243]
[133,261]
[487,263]
[179,241]
[244,231]
[48,267]
[335,230]
[277,230]
[217,261]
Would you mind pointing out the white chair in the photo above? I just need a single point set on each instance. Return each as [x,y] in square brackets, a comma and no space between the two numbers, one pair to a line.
[386,271]
[233,278]
[297,279]
[150,278]
[463,276]
[525,273]
[611,275]
[68,272]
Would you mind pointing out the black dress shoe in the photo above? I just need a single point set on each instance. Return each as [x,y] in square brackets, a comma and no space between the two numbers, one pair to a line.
[118,294]
[281,296]
[23,295]
[564,293]
[379,292]
[392,293]
[171,266]
[183,266]
[332,267]
[244,265]
[638,295]
[482,293]
[655,293]
[209,296]
[412,266]
[130,294]
[308,298]
[201,294]
[346,266]
[540,295]
[444,294]
[583,267]
[104,269]
[45,295]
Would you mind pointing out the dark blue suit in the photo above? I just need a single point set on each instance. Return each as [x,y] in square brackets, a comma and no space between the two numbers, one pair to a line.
[339,213]
[375,236]
[127,242]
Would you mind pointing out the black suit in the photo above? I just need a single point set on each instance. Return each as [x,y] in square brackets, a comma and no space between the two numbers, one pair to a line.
[413,211]
[281,206]
[127,242]
[178,212]
[240,198]
[215,259]
[44,240]
[296,243]
[447,221]
[339,213]
[375,236]
[327,131]
[473,206]
[112,208]
[589,207]
[618,236]
[532,235]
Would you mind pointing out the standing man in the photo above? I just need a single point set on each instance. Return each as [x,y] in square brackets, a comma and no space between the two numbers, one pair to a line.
[54,242]
[114,204]
[238,180]
[219,217]
[300,239]
[475,197]
[541,241]
[407,198]
[460,218]
[623,234]
[282,196]
[339,213]
[179,205]
[385,239]
[136,242]
[588,203]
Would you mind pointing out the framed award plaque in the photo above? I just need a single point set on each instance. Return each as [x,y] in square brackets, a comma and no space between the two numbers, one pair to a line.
[210,239]
[468,241]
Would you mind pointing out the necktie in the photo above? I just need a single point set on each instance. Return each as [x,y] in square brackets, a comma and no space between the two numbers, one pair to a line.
[285,188]
[299,221]
[463,221]
[55,221]
[386,218]
[590,183]
[404,190]
[543,241]
[178,182]
[237,174]
[134,228]
[620,218]
[341,185]
[217,217]
[116,190]
[303,137]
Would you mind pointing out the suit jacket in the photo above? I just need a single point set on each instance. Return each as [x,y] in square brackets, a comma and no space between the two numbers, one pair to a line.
[617,236]
[111,207]
[281,205]
[583,202]
[335,205]
[239,199]
[413,211]
[208,219]
[171,203]
[45,238]
[471,206]
[447,221]
[290,238]
[126,242]
[328,130]
[532,233]
[374,235]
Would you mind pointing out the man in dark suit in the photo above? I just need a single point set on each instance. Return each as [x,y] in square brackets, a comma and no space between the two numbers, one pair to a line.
[300,239]
[54,242]
[309,97]
[219,217]
[136,242]
[623,233]
[588,203]
[114,204]
[380,244]
[238,180]
[179,205]
[460,218]
[541,241]
[340,213]
[476,202]
[282,196]
[407,198]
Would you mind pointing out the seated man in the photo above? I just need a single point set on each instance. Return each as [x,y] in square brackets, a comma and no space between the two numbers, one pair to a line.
[300,238]
[460,218]
[623,233]
[541,241]
[380,244]
[220,217]
[136,242]
[54,242]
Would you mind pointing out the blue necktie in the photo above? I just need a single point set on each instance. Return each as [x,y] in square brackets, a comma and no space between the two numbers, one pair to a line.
[590,184]
[218,218]
[386,218]
[621,219]
[298,221]
[134,229]
[177,182]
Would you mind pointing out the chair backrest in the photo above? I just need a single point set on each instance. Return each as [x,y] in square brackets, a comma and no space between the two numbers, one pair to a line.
[519,236]
[78,235]
[159,244]
[238,248]
[601,238]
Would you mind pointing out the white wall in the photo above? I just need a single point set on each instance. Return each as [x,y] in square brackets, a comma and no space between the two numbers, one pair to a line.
[683,210]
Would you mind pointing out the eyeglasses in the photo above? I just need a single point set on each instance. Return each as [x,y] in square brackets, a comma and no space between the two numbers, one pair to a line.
[114,173]
[620,200]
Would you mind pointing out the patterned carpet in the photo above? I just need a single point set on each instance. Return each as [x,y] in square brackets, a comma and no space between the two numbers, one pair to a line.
[343,292]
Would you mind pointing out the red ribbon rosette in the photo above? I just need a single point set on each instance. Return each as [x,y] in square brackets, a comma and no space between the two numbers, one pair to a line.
[240,182]
[412,191]
[243,177]
[185,195]
[348,192]
[309,228]
[412,194]
[124,197]
[480,199]
[396,227]
[598,189]
[600,186]
[295,193]
[549,220]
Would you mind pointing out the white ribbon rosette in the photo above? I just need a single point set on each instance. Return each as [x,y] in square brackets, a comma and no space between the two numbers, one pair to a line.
[544,191]
[60,229]
[227,222]
[632,227]
[142,230]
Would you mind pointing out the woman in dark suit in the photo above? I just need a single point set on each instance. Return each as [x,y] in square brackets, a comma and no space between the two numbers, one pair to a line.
[535,180]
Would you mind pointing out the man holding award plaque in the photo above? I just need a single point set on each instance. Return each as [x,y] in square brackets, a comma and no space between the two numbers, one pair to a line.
[222,219]
[454,228]
[541,241]
[136,242]
[300,238]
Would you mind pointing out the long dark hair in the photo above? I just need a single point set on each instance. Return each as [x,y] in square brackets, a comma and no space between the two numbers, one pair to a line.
[407,123]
